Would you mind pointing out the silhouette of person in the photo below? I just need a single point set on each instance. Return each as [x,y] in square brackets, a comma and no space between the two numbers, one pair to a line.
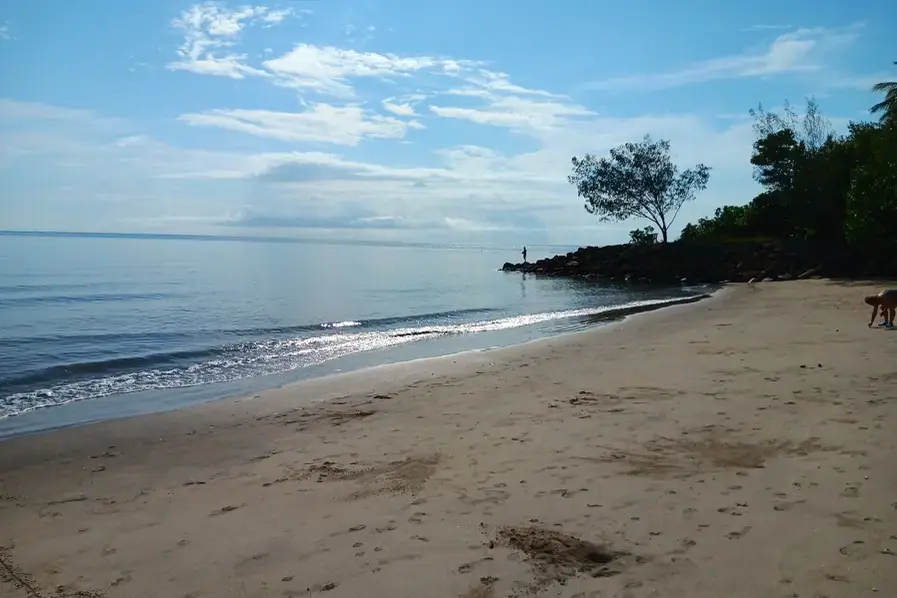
[524,255]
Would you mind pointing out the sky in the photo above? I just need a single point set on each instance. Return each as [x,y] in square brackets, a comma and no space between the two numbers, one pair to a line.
[398,120]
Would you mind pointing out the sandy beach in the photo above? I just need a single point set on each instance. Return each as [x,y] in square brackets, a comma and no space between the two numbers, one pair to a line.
[742,446]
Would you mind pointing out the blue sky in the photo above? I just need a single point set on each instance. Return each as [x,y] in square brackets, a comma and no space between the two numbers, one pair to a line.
[397,119]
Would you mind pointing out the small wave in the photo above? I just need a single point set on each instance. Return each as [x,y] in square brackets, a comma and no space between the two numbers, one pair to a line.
[86,368]
[126,375]
[346,324]
[162,338]
[14,301]
[7,289]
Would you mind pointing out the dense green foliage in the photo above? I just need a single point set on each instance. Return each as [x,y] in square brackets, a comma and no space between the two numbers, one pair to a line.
[637,180]
[839,192]
[643,236]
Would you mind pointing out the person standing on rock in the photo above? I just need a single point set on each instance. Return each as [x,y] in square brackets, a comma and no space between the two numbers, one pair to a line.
[887,301]
[524,255]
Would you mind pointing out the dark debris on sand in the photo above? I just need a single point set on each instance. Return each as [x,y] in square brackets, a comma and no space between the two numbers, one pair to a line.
[555,556]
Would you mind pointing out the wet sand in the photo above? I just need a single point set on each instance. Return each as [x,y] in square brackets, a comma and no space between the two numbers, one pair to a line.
[740,447]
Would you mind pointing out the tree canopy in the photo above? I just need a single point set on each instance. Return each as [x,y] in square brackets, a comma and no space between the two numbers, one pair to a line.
[637,180]
[838,191]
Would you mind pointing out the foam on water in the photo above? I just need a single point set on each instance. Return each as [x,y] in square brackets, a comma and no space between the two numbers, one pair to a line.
[277,353]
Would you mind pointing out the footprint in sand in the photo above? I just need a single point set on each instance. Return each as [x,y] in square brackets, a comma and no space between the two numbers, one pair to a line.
[787,505]
[468,567]
[735,535]
[226,509]
[850,492]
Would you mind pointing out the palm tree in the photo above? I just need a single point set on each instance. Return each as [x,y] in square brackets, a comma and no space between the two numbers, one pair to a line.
[888,106]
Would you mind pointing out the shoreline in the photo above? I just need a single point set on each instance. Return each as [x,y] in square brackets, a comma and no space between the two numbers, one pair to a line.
[79,413]
[740,446]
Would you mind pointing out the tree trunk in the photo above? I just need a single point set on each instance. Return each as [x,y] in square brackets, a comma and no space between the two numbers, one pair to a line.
[663,232]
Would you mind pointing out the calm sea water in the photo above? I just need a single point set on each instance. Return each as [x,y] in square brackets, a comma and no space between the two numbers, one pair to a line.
[92,328]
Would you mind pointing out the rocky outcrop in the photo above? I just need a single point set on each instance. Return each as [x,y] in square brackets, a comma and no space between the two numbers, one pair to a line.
[680,262]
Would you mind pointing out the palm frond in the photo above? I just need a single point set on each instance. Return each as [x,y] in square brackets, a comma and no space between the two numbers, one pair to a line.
[881,106]
[888,106]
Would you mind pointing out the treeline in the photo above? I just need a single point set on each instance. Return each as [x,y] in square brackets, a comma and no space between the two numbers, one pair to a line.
[835,191]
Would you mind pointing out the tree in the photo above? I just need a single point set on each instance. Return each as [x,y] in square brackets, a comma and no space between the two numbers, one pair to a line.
[637,180]
[872,197]
[643,236]
[812,130]
[888,106]
[806,172]
[728,222]
[774,159]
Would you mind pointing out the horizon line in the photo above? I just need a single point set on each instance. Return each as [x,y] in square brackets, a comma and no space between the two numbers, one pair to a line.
[254,238]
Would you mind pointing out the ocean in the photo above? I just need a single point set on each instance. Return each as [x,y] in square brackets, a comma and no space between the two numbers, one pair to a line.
[95,327]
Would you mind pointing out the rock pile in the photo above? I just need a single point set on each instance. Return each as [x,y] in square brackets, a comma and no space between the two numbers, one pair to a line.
[679,262]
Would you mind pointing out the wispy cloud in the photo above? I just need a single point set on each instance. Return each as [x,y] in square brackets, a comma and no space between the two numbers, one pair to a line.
[6,31]
[515,112]
[400,109]
[324,123]
[798,51]
[327,69]
[210,29]
[19,113]
[274,17]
